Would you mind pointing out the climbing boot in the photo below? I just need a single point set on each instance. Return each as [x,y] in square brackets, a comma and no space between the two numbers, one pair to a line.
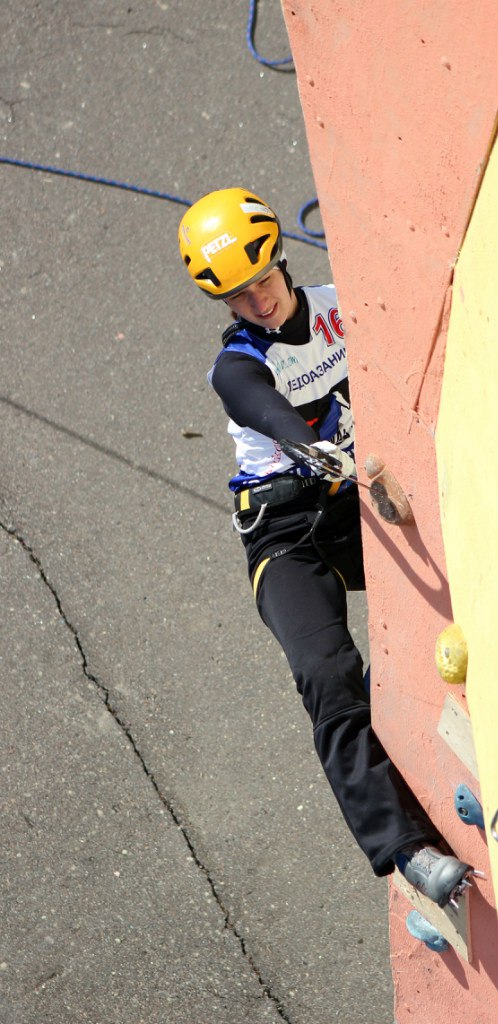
[440,876]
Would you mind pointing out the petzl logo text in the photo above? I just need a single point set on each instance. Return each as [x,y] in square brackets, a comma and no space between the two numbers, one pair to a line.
[216,245]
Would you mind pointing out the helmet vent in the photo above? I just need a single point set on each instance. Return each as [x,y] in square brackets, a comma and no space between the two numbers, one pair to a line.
[187,260]
[261,218]
[253,248]
[208,275]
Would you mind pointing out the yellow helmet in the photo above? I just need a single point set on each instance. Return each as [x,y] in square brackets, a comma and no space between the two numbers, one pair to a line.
[229,239]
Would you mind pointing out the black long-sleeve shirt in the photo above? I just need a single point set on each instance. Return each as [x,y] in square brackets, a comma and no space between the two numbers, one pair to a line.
[249,397]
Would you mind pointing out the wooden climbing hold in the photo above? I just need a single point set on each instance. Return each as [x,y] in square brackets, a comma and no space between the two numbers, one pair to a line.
[452,655]
[387,496]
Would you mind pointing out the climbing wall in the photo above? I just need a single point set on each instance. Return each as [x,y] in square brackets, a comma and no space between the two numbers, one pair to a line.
[399,102]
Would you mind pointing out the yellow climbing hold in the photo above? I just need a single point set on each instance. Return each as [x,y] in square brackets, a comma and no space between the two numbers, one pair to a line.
[452,655]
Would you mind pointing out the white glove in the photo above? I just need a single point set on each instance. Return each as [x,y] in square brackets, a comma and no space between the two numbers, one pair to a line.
[348,468]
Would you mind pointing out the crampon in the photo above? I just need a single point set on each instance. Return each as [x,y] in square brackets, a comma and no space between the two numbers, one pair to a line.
[439,876]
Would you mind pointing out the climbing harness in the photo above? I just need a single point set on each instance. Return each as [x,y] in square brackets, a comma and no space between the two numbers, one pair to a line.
[237,525]
[282,490]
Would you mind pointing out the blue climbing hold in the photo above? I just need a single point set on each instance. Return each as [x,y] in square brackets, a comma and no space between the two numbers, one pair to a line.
[467,806]
[426,932]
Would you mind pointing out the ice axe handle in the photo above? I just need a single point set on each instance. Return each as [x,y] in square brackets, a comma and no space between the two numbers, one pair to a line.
[324,463]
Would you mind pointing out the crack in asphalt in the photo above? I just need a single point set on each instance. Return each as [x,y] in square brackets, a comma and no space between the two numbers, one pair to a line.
[158,30]
[105,696]
[152,30]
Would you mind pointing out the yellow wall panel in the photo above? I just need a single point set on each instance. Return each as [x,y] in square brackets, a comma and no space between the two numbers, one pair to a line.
[467,456]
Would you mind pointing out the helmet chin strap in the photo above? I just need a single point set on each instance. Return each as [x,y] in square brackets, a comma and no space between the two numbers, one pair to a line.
[282,265]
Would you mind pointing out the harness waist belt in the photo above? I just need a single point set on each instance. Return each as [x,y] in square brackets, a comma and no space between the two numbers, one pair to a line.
[279,491]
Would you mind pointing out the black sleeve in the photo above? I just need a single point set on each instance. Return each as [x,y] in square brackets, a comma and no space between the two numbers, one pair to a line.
[249,397]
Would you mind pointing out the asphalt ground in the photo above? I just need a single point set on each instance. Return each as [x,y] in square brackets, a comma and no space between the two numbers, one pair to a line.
[169,850]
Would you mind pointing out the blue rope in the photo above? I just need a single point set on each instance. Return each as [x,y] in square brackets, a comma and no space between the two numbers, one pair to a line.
[140,189]
[94,179]
[301,218]
[251,28]
[313,203]
[308,236]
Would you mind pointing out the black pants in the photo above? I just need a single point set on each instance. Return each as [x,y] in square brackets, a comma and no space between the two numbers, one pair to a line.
[303,601]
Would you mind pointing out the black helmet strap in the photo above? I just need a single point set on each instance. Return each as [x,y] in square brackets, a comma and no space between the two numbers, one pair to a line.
[282,265]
